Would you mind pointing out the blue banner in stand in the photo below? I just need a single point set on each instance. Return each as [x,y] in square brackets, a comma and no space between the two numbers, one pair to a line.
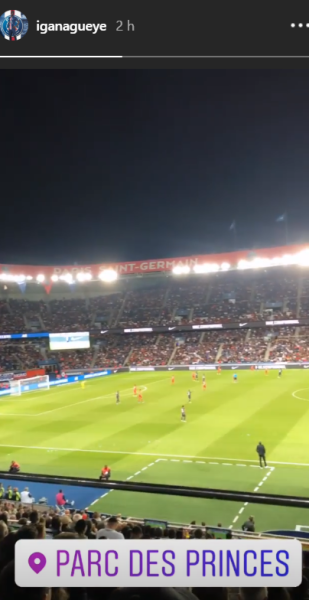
[20,336]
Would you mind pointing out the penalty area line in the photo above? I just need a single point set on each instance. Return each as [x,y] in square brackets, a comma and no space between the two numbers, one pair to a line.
[122,452]
[125,394]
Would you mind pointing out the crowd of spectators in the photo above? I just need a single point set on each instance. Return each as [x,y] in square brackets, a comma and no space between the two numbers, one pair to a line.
[149,349]
[27,523]
[289,348]
[157,350]
[224,297]
[230,296]
[145,308]
[67,315]
[20,354]
[240,347]
[73,359]
[190,350]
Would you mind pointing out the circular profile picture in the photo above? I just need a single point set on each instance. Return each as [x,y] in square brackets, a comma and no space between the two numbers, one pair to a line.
[13,25]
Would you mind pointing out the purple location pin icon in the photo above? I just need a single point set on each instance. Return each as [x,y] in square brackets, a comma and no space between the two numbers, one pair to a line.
[37,562]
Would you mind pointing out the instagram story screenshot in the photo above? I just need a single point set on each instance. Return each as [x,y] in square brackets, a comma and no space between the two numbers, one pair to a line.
[154,300]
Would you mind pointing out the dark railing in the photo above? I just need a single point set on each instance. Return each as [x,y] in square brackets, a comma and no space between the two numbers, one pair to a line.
[170,490]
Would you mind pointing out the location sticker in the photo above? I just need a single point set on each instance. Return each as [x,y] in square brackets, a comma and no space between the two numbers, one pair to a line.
[37,562]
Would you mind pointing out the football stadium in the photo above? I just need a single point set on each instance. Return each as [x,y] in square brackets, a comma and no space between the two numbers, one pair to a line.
[169,373]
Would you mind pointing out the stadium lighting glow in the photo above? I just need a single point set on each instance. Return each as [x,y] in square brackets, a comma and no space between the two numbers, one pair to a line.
[185,270]
[54,278]
[303,258]
[9,277]
[108,275]
[225,266]
[243,264]
[40,278]
[68,278]
[83,276]
[288,259]
[29,277]
[199,268]
[207,268]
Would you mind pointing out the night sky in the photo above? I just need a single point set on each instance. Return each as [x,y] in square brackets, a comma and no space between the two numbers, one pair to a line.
[100,166]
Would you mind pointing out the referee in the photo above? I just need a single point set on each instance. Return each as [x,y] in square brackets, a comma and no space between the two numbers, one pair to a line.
[261,450]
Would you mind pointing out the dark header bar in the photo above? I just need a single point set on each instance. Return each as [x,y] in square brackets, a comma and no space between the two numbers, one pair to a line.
[140,29]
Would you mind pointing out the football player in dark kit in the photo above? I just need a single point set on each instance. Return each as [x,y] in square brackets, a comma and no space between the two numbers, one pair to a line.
[261,450]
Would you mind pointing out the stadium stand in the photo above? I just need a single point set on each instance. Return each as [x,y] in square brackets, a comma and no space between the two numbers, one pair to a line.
[225,297]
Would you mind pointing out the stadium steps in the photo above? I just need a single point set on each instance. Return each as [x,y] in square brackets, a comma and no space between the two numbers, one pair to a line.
[114,319]
[171,358]
[95,356]
[248,335]
[299,295]
[166,297]
[40,319]
[253,291]
[202,337]
[43,352]
[268,349]
[209,289]
[219,352]
[128,358]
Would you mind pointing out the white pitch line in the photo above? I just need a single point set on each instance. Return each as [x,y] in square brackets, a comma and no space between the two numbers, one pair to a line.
[181,456]
[104,397]
[47,412]
[143,387]
[256,489]
[127,479]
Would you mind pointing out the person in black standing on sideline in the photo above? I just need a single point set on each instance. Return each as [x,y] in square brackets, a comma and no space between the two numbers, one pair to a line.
[261,450]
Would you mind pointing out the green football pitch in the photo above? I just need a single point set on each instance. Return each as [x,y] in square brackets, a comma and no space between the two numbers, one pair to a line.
[75,431]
